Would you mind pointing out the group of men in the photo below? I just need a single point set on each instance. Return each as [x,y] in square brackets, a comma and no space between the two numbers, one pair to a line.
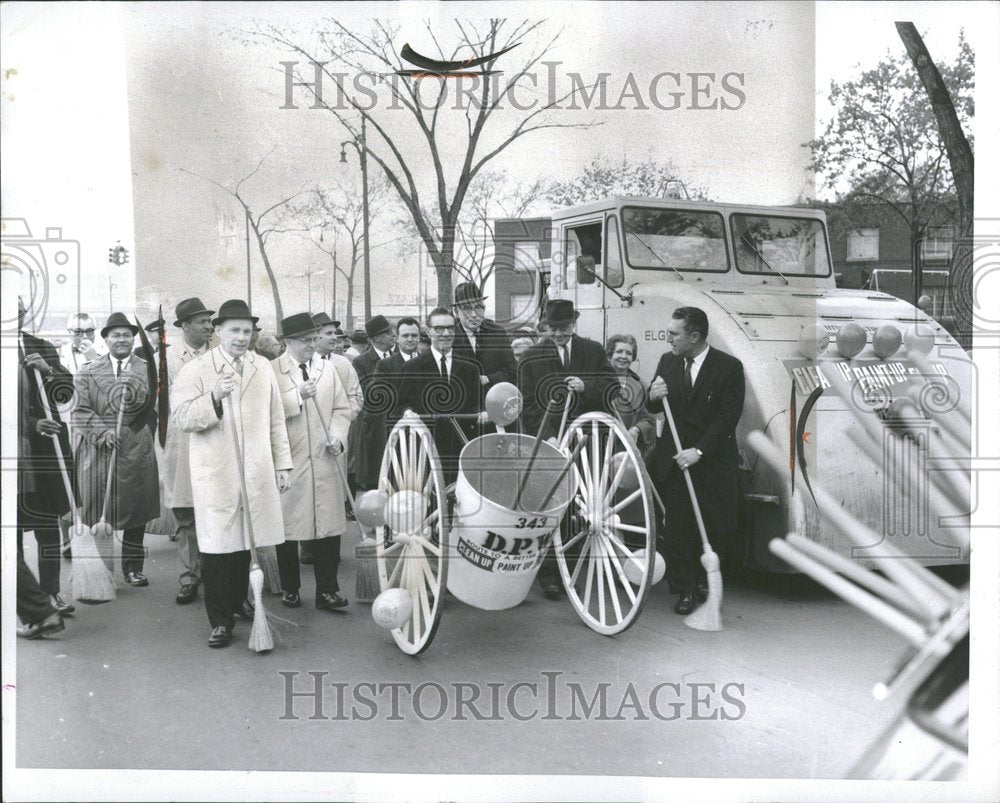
[262,452]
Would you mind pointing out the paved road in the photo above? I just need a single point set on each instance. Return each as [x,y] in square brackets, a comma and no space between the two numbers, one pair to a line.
[132,684]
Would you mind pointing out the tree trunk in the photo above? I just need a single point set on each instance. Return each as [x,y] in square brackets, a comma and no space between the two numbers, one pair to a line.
[279,313]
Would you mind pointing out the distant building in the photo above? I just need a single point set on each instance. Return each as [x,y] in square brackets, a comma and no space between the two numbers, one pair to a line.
[523,248]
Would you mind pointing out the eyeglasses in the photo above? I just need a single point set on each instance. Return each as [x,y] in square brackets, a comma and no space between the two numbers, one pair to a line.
[444,329]
[79,332]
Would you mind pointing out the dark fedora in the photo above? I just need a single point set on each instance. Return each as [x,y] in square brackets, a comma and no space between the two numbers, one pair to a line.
[297,325]
[321,319]
[377,325]
[468,293]
[155,325]
[188,308]
[359,336]
[234,309]
[559,312]
[116,321]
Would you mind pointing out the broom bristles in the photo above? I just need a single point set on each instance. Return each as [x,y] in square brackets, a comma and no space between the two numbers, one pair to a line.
[366,584]
[92,582]
[260,633]
[708,616]
[268,557]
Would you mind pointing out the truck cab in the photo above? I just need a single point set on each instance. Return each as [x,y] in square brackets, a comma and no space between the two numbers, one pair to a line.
[764,277]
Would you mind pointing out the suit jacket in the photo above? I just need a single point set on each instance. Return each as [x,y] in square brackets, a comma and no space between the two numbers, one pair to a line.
[423,390]
[369,430]
[541,376]
[705,420]
[493,353]
[39,472]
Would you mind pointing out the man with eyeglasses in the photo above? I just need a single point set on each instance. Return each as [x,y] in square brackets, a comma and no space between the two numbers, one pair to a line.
[81,348]
[442,382]
[479,339]
[316,406]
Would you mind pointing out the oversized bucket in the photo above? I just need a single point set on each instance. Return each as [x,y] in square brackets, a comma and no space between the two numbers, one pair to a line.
[497,549]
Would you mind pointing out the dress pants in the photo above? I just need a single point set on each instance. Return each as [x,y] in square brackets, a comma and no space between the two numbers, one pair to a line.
[133,552]
[225,577]
[326,561]
[187,546]
[33,604]
[49,555]
[682,547]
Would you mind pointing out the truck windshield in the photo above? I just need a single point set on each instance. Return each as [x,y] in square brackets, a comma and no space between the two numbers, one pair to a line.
[675,239]
[786,246]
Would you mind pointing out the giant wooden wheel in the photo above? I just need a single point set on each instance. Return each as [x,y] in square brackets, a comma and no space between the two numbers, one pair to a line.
[414,557]
[609,518]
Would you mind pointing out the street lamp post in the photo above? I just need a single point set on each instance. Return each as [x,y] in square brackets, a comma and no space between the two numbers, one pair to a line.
[309,274]
[361,147]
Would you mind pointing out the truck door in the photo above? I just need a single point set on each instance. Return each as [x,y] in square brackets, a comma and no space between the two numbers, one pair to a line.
[585,239]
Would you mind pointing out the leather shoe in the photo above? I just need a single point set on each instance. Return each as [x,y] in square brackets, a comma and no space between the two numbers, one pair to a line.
[553,591]
[137,579]
[245,611]
[291,599]
[50,624]
[685,604]
[62,607]
[187,594]
[330,602]
[220,637]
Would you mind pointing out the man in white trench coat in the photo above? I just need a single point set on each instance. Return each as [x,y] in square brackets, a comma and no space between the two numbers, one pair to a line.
[318,415]
[231,387]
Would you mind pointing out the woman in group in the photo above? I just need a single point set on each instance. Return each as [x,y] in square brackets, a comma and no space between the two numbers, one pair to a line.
[631,402]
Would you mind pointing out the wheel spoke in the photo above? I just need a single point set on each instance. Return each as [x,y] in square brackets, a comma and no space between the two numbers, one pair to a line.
[560,548]
[611,559]
[584,551]
[630,528]
[584,469]
[422,588]
[590,575]
[404,458]
[396,471]
[426,544]
[613,539]
[592,449]
[429,520]
[608,454]
[628,500]
[599,571]
[619,476]
[394,578]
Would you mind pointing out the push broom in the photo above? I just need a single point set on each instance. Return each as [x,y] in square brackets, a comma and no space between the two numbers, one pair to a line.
[708,616]
[92,582]
[104,532]
[260,634]
[366,584]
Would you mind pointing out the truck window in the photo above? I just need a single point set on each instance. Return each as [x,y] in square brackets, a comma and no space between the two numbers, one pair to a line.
[678,239]
[788,246]
[582,241]
[614,275]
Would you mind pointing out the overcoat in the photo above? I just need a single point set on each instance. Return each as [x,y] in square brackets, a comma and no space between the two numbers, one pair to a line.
[370,439]
[632,405]
[314,506]
[492,353]
[174,461]
[135,490]
[258,417]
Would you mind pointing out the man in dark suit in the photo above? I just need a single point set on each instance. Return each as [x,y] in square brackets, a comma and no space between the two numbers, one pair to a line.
[705,389]
[370,427]
[482,340]
[41,497]
[564,361]
[442,382]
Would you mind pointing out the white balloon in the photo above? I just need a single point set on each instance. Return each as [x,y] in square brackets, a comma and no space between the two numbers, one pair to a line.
[635,567]
[405,510]
[392,608]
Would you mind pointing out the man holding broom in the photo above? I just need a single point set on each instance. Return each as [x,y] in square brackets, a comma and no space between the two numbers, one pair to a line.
[704,388]
[235,486]
[318,415]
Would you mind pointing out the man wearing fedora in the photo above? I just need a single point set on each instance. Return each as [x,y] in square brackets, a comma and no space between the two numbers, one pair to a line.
[482,340]
[317,414]
[195,322]
[111,384]
[370,426]
[230,390]
[567,369]
[357,344]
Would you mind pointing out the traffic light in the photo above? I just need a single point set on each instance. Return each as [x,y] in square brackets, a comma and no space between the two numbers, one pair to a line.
[118,255]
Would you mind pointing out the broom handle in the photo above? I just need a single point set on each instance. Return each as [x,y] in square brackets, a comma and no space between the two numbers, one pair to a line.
[565,470]
[534,452]
[336,460]
[656,494]
[114,453]
[565,415]
[687,477]
[67,485]
[244,496]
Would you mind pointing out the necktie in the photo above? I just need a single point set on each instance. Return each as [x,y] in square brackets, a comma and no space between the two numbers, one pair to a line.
[688,361]
[305,373]
[238,365]
[444,367]
[118,370]
[564,356]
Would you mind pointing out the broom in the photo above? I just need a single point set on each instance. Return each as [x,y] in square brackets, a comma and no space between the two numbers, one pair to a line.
[709,615]
[366,584]
[104,532]
[260,633]
[92,582]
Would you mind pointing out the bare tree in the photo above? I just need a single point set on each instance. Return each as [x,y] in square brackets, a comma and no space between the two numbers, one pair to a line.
[373,55]
[603,178]
[274,219]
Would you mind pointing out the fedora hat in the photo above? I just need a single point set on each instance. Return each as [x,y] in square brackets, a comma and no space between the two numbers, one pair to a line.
[188,308]
[301,323]
[377,325]
[359,336]
[468,293]
[559,312]
[321,319]
[234,308]
[117,320]
[154,326]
